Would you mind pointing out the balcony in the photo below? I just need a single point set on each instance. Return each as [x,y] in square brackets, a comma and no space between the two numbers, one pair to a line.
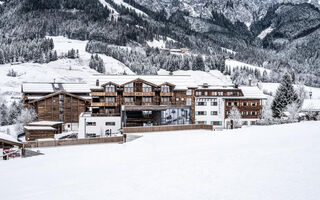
[166,94]
[102,94]
[102,104]
[144,94]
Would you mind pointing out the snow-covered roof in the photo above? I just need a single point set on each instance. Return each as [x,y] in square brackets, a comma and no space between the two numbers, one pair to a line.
[44,123]
[38,87]
[181,82]
[7,137]
[252,92]
[311,105]
[43,128]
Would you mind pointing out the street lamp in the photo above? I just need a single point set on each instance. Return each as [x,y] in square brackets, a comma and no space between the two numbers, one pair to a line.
[310,94]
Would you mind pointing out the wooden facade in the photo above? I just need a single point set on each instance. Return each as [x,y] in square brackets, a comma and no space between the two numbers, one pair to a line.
[60,106]
[32,135]
[249,108]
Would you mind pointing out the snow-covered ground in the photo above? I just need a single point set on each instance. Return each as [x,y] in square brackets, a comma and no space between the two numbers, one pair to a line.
[266,163]
[272,88]
[214,77]
[234,64]
[161,43]
[62,70]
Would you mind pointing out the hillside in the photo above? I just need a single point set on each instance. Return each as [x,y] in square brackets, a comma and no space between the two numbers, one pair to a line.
[276,35]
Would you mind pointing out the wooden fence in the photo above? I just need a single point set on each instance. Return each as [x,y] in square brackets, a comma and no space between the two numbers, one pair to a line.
[166,128]
[64,142]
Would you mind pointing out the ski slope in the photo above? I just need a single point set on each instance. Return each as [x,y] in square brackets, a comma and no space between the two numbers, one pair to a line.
[234,64]
[257,163]
[121,2]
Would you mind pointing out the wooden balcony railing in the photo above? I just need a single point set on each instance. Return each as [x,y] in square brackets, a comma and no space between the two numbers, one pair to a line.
[145,94]
[166,94]
[101,104]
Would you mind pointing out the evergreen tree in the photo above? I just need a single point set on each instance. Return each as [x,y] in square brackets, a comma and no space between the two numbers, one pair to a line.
[2,58]
[199,63]
[285,95]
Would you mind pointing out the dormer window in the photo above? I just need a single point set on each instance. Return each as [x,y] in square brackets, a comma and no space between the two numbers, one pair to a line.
[146,88]
[128,87]
[110,88]
[165,88]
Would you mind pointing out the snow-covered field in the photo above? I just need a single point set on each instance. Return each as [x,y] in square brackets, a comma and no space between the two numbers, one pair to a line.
[234,64]
[62,70]
[265,163]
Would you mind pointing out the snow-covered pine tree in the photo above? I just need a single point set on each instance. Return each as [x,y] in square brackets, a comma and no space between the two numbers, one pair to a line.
[285,95]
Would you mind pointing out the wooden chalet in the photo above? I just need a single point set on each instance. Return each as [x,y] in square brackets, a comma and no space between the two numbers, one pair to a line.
[57,101]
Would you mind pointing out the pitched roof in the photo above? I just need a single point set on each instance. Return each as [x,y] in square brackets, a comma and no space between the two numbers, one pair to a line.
[57,93]
[50,87]
[44,123]
[42,128]
[9,139]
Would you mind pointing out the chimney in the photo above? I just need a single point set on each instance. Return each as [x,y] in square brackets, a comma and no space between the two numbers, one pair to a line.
[205,85]
[54,80]
[97,82]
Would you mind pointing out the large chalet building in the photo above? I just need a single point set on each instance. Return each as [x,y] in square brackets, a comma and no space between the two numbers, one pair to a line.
[59,102]
[110,102]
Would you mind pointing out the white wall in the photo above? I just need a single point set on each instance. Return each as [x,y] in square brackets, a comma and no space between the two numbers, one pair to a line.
[100,126]
[208,118]
[71,126]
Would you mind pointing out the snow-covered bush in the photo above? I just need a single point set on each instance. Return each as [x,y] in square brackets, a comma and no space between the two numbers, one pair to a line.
[266,113]
[293,110]
[26,116]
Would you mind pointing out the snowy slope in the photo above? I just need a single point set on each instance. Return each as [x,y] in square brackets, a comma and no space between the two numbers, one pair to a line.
[272,88]
[121,2]
[258,163]
[234,64]
[113,11]
[265,32]
[161,43]
[62,70]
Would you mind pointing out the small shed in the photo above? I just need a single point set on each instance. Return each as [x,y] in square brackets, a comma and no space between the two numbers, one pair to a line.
[311,107]
[57,125]
[39,132]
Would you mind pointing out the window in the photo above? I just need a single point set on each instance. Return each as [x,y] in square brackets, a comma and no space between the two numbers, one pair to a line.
[91,135]
[205,93]
[146,99]
[128,100]
[165,99]
[177,99]
[201,103]
[110,88]
[189,102]
[235,103]
[110,123]
[201,122]
[214,112]
[229,104]
[95,99]
[253,103]
[244,113]
[214,103]
[189,92]
[244,103]
[128,87]
[110,110]
[201,113]
[165,88]
[214,93]
[91,123]
[182,99]
[216,123]
[253,123]
[198,93]
[220,93]
[146,88]
[110,99]
[253,113]
[229,93]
